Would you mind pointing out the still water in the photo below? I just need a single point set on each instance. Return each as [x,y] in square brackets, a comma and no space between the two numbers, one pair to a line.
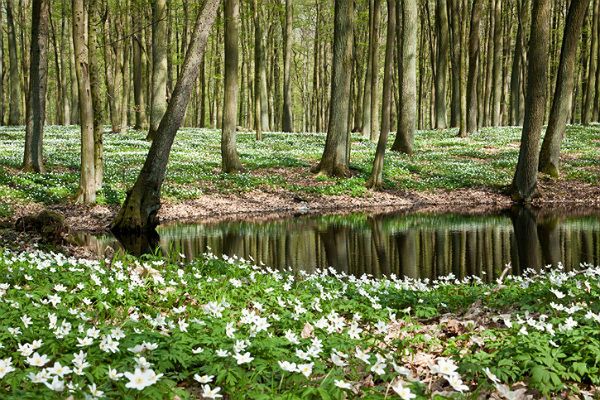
[415,245]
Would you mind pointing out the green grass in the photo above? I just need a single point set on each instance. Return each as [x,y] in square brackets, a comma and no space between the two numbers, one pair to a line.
[441,161]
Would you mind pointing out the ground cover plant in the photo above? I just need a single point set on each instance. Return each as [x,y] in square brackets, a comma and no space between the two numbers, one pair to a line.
[145,328]
[282,162]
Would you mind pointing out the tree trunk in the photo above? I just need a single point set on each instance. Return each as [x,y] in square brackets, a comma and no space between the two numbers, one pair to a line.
[230,160]
[288,121]
[407,75]
[516,97]
[441,70]
[473,78]
[94,26]
[374,60]
[376,180]
[366,104]
[14,116]
[159,65]
[588,107]
[139,212]
[334,161]
[563,92]
[497,69]
[525,180]
[38,76]
[87,183]
[141,120]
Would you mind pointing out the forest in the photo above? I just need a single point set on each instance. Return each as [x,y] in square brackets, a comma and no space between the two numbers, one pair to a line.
[325,199]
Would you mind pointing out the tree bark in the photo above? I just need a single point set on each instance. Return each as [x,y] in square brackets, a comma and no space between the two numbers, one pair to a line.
[497,69]
[334,161]
[374,60]
[230,160]
[139,212]
[525,179]
[288,120]
[14,116]
[516,98]
[441,70]
[38,76]
[94,26]
[366,104]
[407,75]
[141,120]
[588,107]
[473,78]
[563,92]
[159,65]
[376,180]
[87,183]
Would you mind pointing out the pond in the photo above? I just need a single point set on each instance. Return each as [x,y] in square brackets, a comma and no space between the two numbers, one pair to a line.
[416,245]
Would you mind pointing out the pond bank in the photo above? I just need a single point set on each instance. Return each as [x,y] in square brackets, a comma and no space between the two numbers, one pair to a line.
[263,204]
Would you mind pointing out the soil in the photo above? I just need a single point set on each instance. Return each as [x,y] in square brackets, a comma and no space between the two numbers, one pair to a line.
[274,202]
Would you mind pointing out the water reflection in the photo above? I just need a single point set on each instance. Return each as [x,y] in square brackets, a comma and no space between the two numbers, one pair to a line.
[414,245]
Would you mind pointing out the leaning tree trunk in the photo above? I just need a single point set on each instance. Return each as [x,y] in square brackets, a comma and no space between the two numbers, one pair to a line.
[473,74]
[87,183]
[230,161]
[525,180]
[14,105]
[376,180]
[288,120]
[441,70]
[158,103]
[139,212]
[334,161]
[38,76]
[407,75]
[563,92]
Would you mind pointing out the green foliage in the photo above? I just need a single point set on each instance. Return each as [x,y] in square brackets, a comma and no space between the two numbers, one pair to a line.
[440,161]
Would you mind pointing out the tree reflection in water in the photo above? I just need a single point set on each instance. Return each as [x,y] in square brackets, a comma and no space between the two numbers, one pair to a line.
[413,245]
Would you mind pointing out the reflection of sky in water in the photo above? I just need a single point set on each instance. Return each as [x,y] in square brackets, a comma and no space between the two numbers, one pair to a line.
[415,245]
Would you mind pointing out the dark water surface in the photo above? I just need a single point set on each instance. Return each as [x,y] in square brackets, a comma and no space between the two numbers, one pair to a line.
[414,245]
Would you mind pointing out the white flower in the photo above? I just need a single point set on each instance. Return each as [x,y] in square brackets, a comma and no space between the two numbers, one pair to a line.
[292,337]
[141,379]
[568,325]
[457,383]
[94,391]
[222,353]
[26,321]
[6,367]
[305,369]
[57,385]
[243,358]
[558,293]
[342,384]
[197,350]
[363,356]
[208,393]
[288,366]
[37,360]
[59,370]
[114,375]
[203,378]
[402,391]
[490,375]
[444,366]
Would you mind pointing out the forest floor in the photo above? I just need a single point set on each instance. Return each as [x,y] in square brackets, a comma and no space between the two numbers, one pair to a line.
[446,173]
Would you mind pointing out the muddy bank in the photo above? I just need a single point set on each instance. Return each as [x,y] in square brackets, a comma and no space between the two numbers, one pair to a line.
[272,203]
